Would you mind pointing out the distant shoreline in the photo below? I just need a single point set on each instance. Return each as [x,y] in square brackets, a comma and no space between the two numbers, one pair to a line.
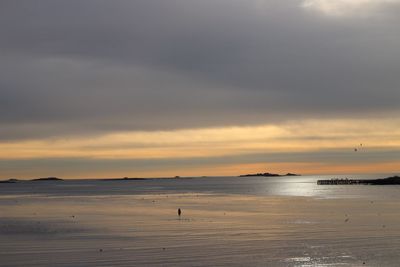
[56,179]
[267,174]
[393,180]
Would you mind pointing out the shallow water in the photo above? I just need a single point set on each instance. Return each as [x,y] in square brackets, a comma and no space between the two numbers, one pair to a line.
[226,221]
[261,186]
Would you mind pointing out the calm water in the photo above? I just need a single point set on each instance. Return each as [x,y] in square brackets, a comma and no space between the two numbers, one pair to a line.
[261,186]
[226,221]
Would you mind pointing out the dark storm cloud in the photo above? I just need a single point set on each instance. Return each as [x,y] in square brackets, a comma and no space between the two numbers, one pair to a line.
[89,66]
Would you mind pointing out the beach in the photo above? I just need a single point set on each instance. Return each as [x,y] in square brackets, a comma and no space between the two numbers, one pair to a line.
[99,225]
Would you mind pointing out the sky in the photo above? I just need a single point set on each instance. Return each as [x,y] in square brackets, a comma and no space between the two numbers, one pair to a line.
[158,88]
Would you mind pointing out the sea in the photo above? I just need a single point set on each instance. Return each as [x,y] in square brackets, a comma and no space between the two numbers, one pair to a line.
[305,186]
[225,221]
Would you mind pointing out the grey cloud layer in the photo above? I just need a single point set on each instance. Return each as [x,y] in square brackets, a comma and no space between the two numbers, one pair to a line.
[85,66]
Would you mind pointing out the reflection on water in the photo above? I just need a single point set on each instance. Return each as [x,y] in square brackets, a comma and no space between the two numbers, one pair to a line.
[228,221]
[263,186]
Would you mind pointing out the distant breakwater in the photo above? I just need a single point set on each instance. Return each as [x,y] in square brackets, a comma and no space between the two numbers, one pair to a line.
[395,180]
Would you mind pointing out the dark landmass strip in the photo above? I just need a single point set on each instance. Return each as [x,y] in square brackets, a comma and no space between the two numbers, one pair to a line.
[9,181]
[13,181]
[267,174]
[123,179]
[155,178]
[394,180]
[47,179]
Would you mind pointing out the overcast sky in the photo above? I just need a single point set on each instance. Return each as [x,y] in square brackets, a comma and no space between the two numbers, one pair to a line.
[88,68]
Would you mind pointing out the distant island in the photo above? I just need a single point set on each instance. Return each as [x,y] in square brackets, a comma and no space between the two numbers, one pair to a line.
[394,180]
[267,174]
[13,180]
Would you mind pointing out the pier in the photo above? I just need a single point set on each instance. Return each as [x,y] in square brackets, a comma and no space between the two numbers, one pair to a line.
[395,180]
[339,181]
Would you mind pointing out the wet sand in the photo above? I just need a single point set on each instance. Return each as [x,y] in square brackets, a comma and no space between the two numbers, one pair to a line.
[213,230]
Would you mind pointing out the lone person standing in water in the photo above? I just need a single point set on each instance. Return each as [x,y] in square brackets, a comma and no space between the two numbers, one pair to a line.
[179,212]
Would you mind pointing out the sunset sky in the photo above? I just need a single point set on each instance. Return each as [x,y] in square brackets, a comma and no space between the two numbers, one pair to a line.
[157,88]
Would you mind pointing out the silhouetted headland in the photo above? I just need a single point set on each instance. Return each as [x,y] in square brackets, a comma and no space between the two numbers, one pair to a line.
[394,180]
[268,174]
